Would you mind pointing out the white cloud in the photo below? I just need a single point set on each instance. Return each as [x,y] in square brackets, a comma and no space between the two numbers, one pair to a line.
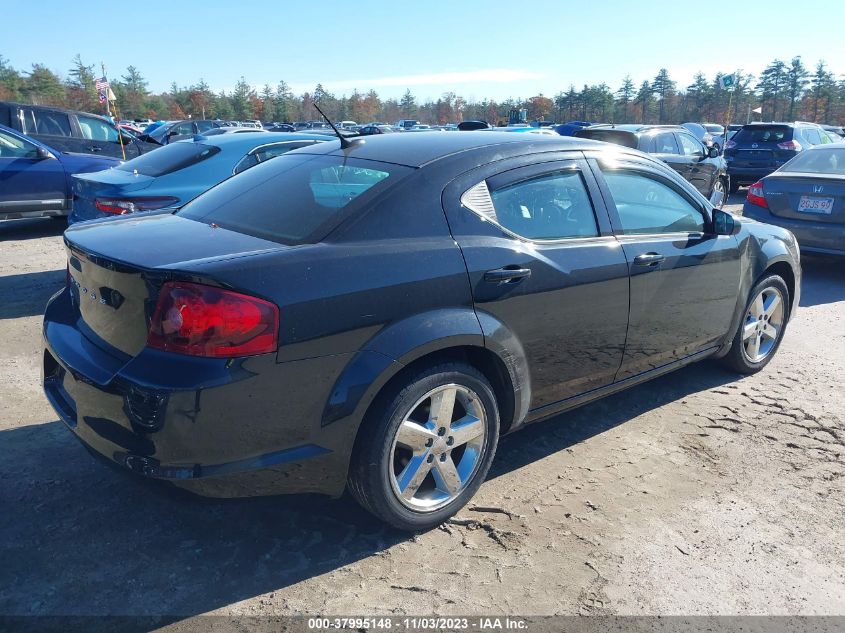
[492,75]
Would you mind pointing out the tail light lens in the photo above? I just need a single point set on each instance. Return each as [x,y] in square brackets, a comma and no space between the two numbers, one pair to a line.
[122,206]
[791,145]
[202,320]
[756,196]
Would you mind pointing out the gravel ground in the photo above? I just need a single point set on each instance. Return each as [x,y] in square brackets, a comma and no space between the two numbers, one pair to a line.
[698,493]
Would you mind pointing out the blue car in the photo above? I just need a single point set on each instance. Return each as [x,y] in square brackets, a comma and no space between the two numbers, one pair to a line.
[177,173]
[35,179]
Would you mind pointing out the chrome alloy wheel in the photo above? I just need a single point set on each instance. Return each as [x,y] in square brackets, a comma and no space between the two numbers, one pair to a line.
[763,324]
[719,186]
[438,447]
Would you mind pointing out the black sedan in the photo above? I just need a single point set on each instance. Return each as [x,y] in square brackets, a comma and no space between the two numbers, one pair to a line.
[376,315]
[702,166]
[806,196]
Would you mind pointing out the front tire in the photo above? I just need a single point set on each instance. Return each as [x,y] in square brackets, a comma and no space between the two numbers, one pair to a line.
[762,327]
[426,446]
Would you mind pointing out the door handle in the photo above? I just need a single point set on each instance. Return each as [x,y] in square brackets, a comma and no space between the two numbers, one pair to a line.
[506,275]
[649,259]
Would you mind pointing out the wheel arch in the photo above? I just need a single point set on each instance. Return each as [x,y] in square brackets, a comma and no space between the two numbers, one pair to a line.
[431,338]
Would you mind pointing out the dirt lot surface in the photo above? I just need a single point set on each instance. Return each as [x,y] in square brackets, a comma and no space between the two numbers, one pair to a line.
[698,493]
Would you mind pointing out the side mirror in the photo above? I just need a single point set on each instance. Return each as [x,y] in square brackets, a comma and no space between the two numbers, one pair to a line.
[724,223]
[713,152]
[43,154]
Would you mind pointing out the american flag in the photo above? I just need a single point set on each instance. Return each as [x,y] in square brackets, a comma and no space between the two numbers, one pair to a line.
[101,84]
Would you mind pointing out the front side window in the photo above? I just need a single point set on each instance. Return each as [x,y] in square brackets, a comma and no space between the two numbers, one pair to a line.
[97,130]
[690,146]
[647,206]
[550,207]
[14,147]
[37,121]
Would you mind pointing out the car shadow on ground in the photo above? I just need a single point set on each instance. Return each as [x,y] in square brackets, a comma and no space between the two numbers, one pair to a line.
[26,294]
[77,538]
[823,280]
[31,228]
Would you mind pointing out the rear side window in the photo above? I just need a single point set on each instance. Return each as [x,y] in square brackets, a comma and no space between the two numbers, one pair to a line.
[267,152]
[764,134]
[664,143]
[812,136]
[295,198]
[550,207]
[37,121]
[169,159]
[826,161]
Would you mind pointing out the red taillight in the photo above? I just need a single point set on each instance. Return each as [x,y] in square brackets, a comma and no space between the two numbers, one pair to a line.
[729,144]
[205,321]
[793,145]
[756,196]
[122,206]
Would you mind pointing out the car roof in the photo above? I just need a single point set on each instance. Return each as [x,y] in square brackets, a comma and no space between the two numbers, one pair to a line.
[56,108]
[245,142]
[637,128]
[417,150]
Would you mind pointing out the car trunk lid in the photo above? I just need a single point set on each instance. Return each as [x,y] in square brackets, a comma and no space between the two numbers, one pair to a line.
[800,196]
[116,268]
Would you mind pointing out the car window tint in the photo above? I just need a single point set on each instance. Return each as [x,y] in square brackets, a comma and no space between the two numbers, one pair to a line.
[690,146]
[552,206]
[826,161]
[14,147]
[295,198]
[812,136]
[204,126]
[266,153]
[97,129]
[37,121]
[664,143]
[763,134]
[647,206]
[169,159]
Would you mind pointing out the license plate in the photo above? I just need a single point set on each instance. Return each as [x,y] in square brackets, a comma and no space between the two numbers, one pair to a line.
[809,204]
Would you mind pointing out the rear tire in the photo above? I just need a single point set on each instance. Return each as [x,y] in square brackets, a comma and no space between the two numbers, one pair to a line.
[426,446]
[760,331]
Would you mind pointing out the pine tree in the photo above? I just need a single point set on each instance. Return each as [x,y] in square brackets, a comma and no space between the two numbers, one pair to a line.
[625,93]
[771,86]
[662,86]
[408,105]
[796,82]
[644,99]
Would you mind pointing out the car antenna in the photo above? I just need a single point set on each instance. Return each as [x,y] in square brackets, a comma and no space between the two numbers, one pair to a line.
[344,142]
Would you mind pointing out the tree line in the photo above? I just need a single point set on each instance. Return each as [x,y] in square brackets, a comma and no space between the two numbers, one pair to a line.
[784,90]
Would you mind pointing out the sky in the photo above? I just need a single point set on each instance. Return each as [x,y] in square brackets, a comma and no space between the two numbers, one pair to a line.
[495,49]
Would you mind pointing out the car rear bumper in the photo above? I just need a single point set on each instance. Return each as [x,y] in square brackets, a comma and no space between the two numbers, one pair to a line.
[218,427]
[813,237]
[748,175]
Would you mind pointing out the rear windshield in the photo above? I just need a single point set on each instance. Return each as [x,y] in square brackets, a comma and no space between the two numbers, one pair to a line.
[295,198]
[169,159]
[764,134]
[822,161]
